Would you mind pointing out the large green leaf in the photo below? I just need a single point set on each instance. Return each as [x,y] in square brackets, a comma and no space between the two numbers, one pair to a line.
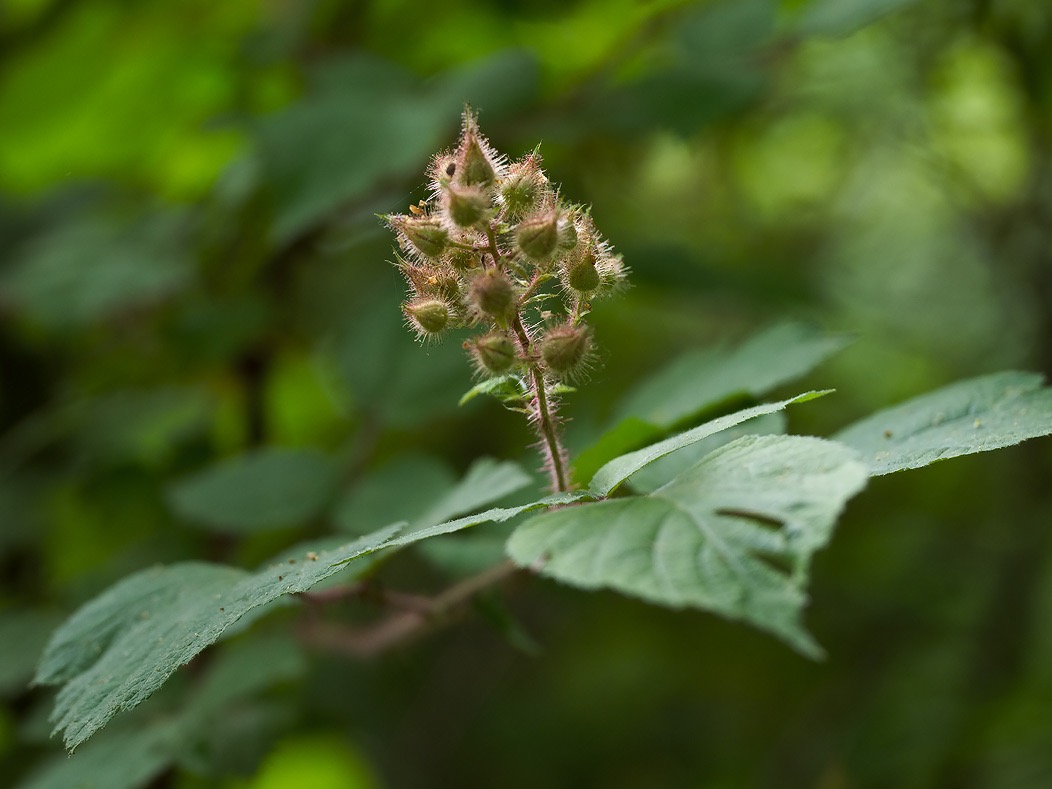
[130,754]
[698,381]
[495,515]
[621,468]
[120,647]
[267,489]
[654,475]
[701,381]
[734,534]
[976,415]
[486,482]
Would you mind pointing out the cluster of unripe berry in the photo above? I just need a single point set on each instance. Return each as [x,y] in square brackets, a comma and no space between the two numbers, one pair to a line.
[495,247]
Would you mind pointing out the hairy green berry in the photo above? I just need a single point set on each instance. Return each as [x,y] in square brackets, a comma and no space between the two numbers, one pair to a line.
[524,187]
[493,295]
[428,316]
[538,237]
[474,167]
[565,350]
[463,259]
[467,205]
[567,236]
[580,274]
[493,353]
[425,234]
[476,162]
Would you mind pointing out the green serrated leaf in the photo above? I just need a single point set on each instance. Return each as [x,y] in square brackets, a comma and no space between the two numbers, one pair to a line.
[627,435]
[123,645]
[486,481]
[619,469]
[971,416]
[495,515]
[267,489]
[506,388]
[699,381]
[654,475]
[120,647]
[734,534]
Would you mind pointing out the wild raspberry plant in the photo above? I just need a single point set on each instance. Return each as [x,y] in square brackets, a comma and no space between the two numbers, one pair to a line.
[724,516]
[495,248]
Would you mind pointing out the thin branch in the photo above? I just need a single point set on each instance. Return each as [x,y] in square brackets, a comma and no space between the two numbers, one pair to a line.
[407,625]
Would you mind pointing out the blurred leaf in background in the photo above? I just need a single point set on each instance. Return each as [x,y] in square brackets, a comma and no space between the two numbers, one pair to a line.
[202,360]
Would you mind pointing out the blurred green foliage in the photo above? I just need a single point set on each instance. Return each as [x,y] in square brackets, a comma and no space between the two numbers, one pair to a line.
[192,274]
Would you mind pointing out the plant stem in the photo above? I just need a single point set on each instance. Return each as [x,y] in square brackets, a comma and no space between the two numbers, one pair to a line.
[547,427]
[407,625]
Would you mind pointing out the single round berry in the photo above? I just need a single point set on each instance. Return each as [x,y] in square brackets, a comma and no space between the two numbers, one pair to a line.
[493,294]
[467,206]
[426,235]
[581,274]
[538,237]
[493,352]
[429,316]
[565,349]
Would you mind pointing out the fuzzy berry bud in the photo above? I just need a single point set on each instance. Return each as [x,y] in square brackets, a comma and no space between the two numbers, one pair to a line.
[426,235]
[466,205]
[493,353]
[565,350]
[538,237]
[428,316]
[493,295]
[463,259]
[567,236]
[474,167]
[523,188]
[580,274]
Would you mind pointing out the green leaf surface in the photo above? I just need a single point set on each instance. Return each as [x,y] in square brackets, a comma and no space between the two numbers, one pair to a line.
[654,475]
[486,482]
[120,647]
[506,388]
[976,415]
[699,381]
[125,759]
[627,435]
[131,754]
[267,489]
[841,17]
[619,469]
[734,534]
[383,495]
[495,515]
[90,269]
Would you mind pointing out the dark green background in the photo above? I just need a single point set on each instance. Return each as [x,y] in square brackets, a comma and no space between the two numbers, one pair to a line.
[191,268]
